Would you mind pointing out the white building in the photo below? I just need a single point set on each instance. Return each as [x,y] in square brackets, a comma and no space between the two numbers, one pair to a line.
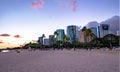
[46,41]
[40,40]
[104,29]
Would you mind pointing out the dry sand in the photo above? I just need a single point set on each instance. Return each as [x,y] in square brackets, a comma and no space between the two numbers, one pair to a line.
[60,61]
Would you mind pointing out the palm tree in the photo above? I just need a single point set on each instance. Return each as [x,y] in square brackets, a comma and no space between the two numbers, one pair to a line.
[110,38]
[66,40]
[51,40]
[43,36]
[93,35]
[73,32]
[57,42]
[55,33]
[84,32]
[88,35]
[74,36]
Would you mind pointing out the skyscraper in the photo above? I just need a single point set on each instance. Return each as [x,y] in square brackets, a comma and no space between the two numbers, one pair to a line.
[46,41]
[94,31]
[60,34]
[104,29]
[40,40]
[72,33]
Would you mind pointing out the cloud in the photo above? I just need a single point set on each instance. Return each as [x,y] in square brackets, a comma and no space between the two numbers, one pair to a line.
[17,36]
[37,4]
[5,35]
[73,5]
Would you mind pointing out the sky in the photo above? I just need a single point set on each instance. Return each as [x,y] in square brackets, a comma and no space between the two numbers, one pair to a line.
[22,21]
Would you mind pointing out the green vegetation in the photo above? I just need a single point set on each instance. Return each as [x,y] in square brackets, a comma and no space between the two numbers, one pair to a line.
[108,41]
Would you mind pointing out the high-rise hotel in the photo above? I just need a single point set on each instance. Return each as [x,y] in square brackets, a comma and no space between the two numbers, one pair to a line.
[104,29]
[72,33]
[60,34]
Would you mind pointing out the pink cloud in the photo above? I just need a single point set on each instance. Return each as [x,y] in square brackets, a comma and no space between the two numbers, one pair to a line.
[5,35]
[73,5]
[37,4]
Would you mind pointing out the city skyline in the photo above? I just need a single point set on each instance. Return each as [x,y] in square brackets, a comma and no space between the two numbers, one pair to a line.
[29,19]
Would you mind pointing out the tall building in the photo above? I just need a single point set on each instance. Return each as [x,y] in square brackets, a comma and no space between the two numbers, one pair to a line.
[46,41]
[72,33]
[60,34]
[104,29]
[82,37]
[94,31]
[114,24]
[40,40]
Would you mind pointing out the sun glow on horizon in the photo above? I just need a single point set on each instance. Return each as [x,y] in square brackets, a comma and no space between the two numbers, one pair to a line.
[12,41]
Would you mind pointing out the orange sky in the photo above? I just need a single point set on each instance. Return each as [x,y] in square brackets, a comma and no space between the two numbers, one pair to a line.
[8,41]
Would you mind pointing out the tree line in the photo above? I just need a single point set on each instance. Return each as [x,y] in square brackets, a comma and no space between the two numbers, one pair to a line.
[90,41]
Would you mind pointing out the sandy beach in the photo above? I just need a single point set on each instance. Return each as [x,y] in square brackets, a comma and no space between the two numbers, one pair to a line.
[60,61]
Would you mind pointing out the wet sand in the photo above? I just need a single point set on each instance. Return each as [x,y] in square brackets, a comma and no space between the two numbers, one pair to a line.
[60,61]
